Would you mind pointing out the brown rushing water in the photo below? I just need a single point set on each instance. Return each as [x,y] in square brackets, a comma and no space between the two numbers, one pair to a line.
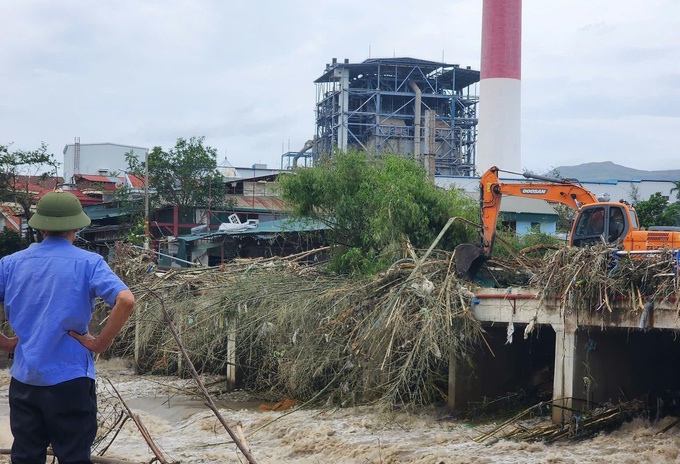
[188,432]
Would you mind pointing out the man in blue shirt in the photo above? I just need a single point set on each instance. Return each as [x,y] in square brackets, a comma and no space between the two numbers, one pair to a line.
[48,291]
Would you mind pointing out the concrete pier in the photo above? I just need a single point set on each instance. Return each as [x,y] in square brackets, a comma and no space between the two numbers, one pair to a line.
[595,356]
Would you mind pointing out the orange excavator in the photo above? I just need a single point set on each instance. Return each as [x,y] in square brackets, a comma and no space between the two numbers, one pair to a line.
[614,223]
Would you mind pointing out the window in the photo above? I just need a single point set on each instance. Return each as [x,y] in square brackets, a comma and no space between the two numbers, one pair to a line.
[597,224]
[590,222]
[616,224]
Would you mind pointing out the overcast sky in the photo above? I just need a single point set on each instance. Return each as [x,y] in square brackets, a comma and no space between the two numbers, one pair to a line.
[600,78]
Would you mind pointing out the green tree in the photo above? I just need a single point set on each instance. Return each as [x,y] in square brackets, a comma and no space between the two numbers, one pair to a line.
[634,194]
[15,166]
[133,205]
[676,189]
[185,175]
[565,216]
[671,215]
[10,241]
[650,212]
[372,203]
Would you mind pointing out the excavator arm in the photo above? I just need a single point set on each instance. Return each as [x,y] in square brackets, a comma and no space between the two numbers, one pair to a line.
[470,256]
[492,190]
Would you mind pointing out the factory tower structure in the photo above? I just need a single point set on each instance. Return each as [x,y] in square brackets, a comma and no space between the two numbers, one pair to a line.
[406,106]
[499,88]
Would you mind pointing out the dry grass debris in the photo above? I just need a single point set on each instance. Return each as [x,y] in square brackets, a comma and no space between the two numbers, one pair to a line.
[299,330]
[592,278]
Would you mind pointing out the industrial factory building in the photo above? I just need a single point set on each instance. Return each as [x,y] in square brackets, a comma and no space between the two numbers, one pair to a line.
[408,106]
[104,159]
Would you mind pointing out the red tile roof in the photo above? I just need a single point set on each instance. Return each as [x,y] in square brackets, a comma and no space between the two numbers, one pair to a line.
[31,188]
[136,181]
[12,220]
[103,179]
[48,182]
[84,199]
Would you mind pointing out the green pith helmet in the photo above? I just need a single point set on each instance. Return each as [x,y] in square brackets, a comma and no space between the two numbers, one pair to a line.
[57,212]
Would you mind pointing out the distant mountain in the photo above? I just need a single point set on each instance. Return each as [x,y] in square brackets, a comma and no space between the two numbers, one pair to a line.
[607,170]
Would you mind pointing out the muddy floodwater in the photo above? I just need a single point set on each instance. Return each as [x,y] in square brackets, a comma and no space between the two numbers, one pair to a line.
[186,431]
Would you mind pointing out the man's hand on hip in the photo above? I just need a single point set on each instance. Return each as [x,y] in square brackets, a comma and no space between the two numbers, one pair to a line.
[88,341]
[119,314]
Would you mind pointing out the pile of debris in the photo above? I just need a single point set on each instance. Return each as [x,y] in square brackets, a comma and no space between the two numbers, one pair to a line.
[300,331]
[594,277]
[581,424]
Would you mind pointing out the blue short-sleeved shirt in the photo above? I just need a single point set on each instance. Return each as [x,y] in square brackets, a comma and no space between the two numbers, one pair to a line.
[47,290]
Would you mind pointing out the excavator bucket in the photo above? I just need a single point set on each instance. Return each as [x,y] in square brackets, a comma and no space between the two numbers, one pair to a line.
[469,258]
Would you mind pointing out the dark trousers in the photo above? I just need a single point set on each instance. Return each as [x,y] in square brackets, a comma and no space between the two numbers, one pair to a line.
[64,415]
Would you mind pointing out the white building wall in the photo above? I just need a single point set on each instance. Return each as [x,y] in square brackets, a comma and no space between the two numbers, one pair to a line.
[621,189]
[624,189]
[98,156]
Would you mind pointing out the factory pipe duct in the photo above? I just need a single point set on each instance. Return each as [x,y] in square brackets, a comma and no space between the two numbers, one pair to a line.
[308,144]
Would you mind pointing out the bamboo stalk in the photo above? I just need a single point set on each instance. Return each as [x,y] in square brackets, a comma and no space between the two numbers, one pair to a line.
[208,398]
[142,429]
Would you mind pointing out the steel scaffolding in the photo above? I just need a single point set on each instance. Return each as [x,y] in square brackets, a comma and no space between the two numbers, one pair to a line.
[400,105]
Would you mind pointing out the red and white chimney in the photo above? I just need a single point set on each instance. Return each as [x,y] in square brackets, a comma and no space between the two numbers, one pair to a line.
[498,129]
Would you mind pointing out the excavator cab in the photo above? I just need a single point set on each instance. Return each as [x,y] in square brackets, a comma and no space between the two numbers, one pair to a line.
[601,223]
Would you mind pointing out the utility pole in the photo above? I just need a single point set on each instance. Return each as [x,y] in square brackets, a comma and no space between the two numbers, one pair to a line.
[146,200]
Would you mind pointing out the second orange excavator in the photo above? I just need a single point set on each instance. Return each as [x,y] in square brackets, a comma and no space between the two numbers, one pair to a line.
[614,223]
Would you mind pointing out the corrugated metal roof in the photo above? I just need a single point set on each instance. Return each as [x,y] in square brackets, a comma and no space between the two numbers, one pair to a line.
[84,199]
[245,174]
[451,74]
[286,225]
[136,181]
[96,178]
[100,211]
[269,228]
[31,188]
[45,182]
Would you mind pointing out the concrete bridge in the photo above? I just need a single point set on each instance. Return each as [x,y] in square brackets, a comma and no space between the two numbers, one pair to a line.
[618,352]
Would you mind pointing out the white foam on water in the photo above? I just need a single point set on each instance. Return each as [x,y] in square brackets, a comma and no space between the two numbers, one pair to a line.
[187,431]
